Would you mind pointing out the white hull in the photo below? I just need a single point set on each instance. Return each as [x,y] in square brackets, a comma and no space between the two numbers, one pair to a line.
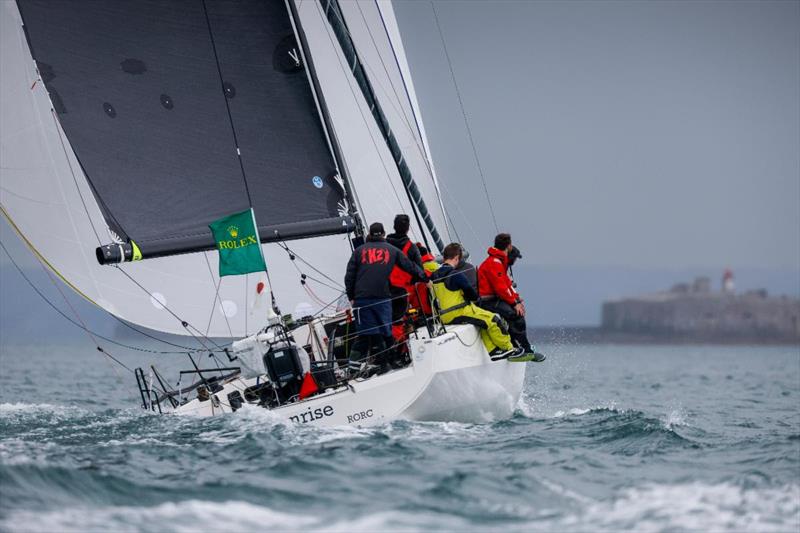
[451,378]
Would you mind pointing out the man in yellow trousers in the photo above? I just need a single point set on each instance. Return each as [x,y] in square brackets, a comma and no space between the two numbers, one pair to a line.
[456,296]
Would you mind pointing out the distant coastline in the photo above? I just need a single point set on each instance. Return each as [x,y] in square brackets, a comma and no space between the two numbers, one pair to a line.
[600,335]
[691,313]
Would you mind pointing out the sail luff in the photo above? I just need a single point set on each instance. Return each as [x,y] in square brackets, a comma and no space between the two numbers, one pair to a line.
[336,20]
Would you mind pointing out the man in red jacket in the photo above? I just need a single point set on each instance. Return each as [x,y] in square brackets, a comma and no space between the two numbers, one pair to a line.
[497,294]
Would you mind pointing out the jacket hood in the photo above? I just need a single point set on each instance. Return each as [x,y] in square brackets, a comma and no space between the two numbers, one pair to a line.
[393,238]
[499,254]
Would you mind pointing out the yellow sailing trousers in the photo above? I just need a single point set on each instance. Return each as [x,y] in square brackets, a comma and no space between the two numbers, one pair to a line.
[487,322]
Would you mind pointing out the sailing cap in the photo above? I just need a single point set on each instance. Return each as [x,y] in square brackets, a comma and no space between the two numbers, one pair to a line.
[376,230]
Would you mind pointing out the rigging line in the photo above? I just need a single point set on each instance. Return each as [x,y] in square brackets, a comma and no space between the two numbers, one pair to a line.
[340,16]
[74,179]
[463,214]
[94,230]
[186,325]
[406,121]
[347,76]
[101,203]
[464,114]
[312,294]
[327,306]
[75,312]
[272,302]
[227,104]
[66,282]
[312,278]
[291,252]
[216,298]
[381,121]
[59,311]
[304,276]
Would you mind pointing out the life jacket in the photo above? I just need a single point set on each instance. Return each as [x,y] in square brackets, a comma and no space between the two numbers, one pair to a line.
[430,266]
[493,279]
[399,277]
[449,301]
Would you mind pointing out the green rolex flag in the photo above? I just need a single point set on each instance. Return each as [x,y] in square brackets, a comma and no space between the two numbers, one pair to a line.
[238,244]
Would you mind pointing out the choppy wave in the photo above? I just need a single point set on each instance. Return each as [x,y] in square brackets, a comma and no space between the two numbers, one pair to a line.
[644,458]
[693,506]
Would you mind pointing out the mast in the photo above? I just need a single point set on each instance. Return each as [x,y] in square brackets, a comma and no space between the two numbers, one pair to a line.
[336,20]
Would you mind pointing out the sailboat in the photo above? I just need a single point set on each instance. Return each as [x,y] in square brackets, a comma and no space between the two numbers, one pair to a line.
[129,126]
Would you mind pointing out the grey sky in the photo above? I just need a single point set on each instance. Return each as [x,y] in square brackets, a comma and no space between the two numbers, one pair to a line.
[619,133]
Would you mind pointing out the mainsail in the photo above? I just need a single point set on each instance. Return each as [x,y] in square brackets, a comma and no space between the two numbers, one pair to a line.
[121,135]
[181,113]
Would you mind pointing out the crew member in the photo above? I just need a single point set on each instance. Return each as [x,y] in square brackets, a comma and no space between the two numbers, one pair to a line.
[429,263]
[400,285]
[455,296]
[498,295]
[367,286]
[469,271]
[430,266]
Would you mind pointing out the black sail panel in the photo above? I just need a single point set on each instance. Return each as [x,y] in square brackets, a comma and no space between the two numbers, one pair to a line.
[140,88]
[266,83]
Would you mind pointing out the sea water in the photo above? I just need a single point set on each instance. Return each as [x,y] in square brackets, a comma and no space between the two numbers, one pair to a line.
[604,438]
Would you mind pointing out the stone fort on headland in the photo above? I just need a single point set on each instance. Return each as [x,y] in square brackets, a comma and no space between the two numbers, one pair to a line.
[693,312]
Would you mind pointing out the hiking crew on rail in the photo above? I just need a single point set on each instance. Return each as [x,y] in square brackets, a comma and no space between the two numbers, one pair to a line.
[499,295]
[456,297]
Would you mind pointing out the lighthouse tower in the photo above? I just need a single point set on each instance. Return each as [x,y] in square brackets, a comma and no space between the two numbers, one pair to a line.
[727,281]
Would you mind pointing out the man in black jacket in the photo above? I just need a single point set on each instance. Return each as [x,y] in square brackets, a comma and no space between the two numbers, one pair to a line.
[367,285]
